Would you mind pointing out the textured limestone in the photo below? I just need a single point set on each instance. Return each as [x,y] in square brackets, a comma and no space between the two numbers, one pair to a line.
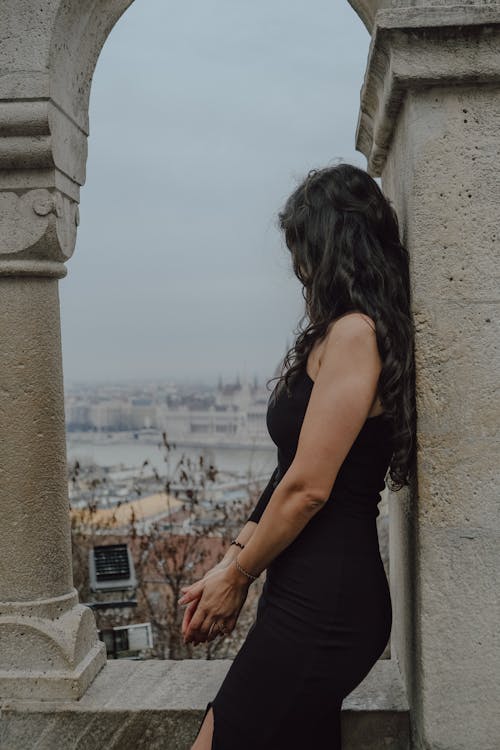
[441,174]
[413,49]
[429,125]
[48,53]
[368,10]
[48,642]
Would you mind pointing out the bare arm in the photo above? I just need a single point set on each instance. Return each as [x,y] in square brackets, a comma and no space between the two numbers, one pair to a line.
[244,536]
[251,523]
[341,399]
[252,520]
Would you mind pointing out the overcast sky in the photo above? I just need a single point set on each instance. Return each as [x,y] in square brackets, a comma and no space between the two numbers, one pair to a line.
[203,116]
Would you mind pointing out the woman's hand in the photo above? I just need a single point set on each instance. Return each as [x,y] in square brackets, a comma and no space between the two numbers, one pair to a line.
[194,588]
[192,594]
[217,597]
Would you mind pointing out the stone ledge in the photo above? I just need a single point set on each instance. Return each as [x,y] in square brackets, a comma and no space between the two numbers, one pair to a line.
[158,705]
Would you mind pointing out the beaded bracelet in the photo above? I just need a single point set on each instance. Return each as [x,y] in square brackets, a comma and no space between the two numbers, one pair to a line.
[233,541]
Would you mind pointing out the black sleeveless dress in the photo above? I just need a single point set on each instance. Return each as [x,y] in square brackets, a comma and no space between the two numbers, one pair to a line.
[324,615]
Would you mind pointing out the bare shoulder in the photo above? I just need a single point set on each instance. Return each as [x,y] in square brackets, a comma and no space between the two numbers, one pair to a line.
[352,321]
[352,325]
[352,336]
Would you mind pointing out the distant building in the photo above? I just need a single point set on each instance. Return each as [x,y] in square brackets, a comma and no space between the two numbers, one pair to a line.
[233,414]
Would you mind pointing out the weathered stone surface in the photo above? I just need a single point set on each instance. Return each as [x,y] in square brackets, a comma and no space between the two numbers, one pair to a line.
[442,177]
[458,669]
[403,552]
[416,48]
[33,486]
[37,232]
[47,58]
[155,705]
[368,10]
[48,642]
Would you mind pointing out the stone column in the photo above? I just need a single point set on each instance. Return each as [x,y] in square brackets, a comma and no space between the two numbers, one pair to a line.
[429,125]
[49,647]
[48,642]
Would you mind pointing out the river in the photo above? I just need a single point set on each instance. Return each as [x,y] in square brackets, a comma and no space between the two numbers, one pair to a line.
[132,452]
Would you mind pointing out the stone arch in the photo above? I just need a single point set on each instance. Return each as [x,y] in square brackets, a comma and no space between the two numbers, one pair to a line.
[49,52]
[79,32]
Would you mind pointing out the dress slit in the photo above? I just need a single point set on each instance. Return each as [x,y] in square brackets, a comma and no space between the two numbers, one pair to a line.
[210,705]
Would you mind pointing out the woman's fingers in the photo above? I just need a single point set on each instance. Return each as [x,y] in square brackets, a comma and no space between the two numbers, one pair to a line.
[218,600]
[188,588]
[207,632]
[188,613]
[200,628]
[199,621]
[198,637]
[230,624]
[194,591]
[199,634]
[213,633]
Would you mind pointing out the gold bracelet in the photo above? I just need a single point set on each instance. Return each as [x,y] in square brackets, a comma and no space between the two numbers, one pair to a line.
[249,575]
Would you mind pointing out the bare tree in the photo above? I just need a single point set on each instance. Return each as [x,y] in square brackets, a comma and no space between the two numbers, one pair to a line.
[168,553]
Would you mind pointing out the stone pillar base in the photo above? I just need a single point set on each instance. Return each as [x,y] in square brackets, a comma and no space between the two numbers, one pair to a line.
[50,649]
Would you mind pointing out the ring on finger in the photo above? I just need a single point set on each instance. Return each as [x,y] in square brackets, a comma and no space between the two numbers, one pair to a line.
[219,626]
[211,626]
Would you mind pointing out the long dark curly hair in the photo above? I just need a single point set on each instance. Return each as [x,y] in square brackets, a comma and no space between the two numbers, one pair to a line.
[343,236]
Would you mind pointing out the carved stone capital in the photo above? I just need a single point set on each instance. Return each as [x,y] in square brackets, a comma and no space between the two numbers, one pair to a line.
[37,232]
[41,146]
[47,58]
[420,47]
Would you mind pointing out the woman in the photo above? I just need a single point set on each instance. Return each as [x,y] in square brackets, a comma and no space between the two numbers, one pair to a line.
[342,416]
